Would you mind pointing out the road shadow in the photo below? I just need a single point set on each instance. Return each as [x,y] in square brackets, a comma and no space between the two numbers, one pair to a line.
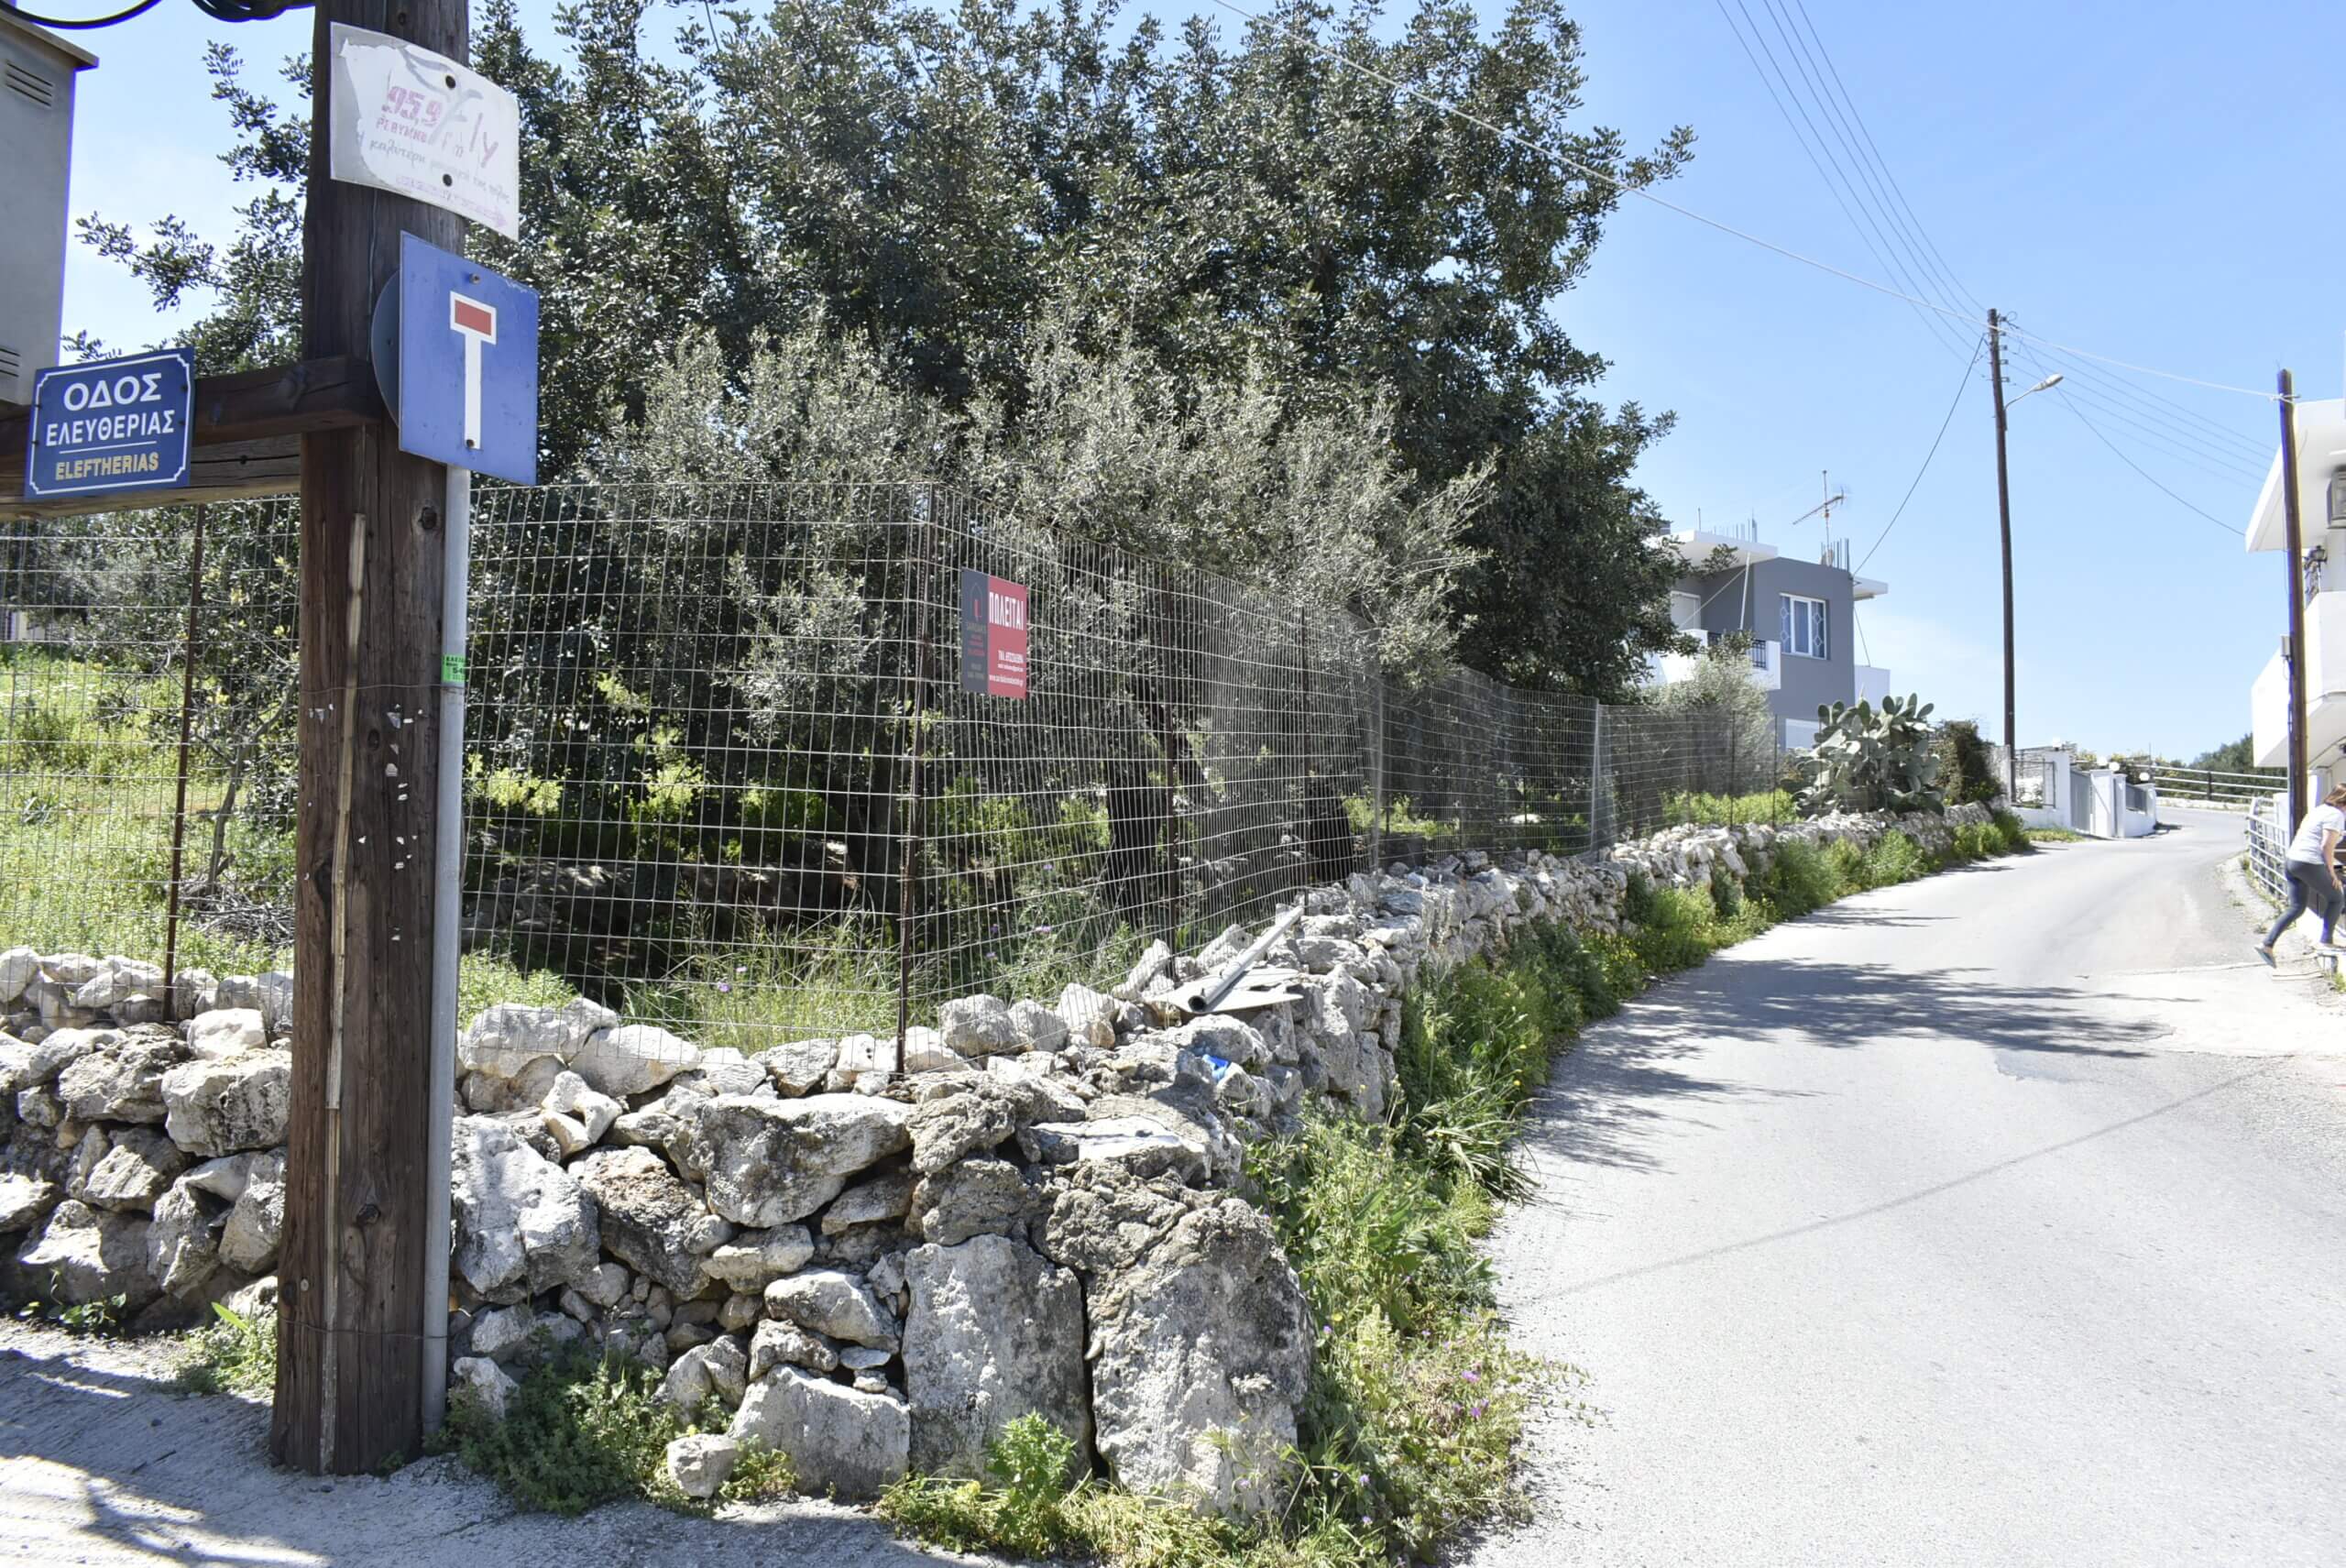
[105,1466]
[1629,1073]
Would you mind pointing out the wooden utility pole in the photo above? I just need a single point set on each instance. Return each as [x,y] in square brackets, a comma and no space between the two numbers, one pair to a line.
[2295,551]
[2005,517]
[349,1355]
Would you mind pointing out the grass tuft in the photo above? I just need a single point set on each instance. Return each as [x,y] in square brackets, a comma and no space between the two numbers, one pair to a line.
[231,1354]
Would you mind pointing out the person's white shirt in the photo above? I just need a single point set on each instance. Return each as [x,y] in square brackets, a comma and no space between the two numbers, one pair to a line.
[2305,848]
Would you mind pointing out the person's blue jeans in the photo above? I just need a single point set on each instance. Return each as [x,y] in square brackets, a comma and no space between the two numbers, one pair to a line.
[2310,888]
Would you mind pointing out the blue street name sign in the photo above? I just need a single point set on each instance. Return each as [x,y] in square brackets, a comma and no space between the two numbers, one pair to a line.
[111,425]
[467,365]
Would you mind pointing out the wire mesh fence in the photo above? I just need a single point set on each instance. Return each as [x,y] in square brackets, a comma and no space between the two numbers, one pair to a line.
[760,761]
[147,758]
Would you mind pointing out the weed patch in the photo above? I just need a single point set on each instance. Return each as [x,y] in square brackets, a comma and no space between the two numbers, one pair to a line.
[231,1354]
[582,1430]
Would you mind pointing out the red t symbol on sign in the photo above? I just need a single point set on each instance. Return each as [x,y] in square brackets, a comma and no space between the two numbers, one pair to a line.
[476,323]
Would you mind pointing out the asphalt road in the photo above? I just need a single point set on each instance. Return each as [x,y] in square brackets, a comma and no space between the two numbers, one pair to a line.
[1999,1218]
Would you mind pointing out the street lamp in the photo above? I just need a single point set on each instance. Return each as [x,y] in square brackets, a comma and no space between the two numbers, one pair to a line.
[2052,380]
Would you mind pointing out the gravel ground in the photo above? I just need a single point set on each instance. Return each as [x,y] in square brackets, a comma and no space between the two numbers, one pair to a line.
[1992,1219]
[102,1463]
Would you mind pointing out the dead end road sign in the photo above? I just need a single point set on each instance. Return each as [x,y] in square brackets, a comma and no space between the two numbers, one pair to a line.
[467,392]
[110,425]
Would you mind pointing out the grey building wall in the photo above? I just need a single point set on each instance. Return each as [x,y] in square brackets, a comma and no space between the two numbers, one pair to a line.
[1806,683]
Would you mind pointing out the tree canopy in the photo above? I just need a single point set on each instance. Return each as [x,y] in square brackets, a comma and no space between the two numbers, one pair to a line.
[1040,227]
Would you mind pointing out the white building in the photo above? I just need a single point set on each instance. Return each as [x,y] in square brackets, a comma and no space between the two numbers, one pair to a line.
[2321,514]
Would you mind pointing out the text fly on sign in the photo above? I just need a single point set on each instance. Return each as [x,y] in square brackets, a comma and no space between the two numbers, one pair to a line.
[994,635]
[111,425]
[403,118]
[467,382]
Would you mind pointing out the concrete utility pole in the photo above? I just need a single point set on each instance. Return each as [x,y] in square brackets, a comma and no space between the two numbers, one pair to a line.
[349,1379]
[2005,517]
[2294,552]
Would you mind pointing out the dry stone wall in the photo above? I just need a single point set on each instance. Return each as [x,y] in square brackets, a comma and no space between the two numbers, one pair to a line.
[875,1263]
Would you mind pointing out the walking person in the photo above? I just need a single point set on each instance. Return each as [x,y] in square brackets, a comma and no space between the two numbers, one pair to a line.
[2314,882]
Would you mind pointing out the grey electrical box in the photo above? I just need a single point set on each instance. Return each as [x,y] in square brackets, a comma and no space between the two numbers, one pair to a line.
[37,74]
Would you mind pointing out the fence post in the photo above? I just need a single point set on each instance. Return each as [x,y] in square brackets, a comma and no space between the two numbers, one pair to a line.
[1735,771]
[1376,770]
[917,584]
[1598,831]
[187,730]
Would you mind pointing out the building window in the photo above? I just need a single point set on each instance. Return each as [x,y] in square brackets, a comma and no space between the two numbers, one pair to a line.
[1685,611]
[1805,632]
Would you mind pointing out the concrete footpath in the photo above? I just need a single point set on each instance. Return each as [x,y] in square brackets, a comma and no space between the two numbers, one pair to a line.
[102,1463]
[1994,1218]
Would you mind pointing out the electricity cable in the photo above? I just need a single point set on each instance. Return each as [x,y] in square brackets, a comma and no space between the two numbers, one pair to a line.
[1589,172]
[1960,388]
[2138,468]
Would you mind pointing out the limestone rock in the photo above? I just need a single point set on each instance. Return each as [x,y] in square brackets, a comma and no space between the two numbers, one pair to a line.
[978,1026]
[995,1334]
[18,967]
[85,1254]
[800,1066]
[571,1095]
[484,1382]
[25,1201]
[1203,1358]
[184,1243]
[701,1463]
[255,1229]
[523,1224]
[649,1219]
[946,1131]
[724,1070]
[138,1167]
[226,1032]
[632,1058]
[840,1441]
[834,1303]
[717,1370]
[754,1259]
[977,1197]
[223,1107]
[227,1176]
[504,1040]
[504,1331]
[1037,1027]
[1090,1016]
[771,1161]
[119,1082]
[1141,1144]
[777,1343]
[870,1202]
[271,995]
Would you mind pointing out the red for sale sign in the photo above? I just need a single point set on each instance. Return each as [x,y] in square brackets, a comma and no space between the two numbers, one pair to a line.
[994,635]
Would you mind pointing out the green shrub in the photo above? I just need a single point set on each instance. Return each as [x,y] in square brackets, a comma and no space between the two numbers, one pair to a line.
[2014,834]
[1677,932]
[1637,898]
[1727,897]
[233,1354]
[581,1430]
[1802,878]
[1725,810]
[1893,859]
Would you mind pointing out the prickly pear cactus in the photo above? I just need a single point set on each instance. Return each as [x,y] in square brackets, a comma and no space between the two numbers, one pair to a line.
[1869,759]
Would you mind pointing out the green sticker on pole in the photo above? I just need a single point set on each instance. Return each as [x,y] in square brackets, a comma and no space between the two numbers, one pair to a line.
[452,669]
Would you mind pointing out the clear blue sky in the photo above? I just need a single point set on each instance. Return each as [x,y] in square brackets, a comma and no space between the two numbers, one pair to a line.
[2149,182]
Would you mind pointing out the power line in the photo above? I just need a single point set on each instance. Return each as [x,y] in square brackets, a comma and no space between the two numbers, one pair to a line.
[2212,517]
[1589,172]
[69,24]
[1769,75]
[1953,404]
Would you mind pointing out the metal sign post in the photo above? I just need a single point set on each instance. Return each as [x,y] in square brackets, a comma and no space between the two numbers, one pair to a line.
[447,894]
